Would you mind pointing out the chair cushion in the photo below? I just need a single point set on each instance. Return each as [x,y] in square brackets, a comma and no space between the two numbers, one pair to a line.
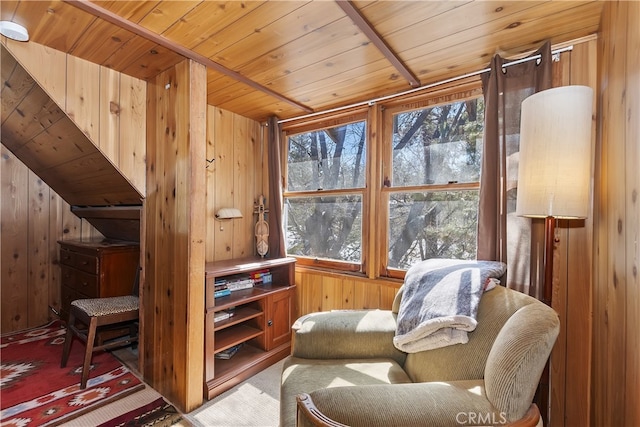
[305,375]
[346,334]
[104,306]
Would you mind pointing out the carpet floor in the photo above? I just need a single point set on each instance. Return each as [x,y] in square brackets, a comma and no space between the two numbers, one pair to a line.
[252,403]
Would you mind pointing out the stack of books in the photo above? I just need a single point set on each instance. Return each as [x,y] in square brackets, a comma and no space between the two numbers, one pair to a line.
[224,286]
[261,277]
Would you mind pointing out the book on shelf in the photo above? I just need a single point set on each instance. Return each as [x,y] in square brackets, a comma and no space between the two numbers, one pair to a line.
[222,315]
[221,293]
[261,276]
[240,284]
[228,353]
[256,274]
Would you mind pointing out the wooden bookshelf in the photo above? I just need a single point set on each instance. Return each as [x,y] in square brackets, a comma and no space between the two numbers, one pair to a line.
[261,321]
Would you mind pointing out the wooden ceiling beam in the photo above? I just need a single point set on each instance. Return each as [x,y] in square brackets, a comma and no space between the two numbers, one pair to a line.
[139,30]
[364,25]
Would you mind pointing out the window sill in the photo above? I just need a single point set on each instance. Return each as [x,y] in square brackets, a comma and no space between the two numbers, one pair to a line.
[348,275]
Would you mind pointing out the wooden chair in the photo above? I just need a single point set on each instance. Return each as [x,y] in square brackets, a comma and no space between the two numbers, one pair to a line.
[98,314]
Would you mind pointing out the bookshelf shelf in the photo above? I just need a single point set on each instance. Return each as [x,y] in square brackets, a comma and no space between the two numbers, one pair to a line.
[261,320]
[240,315]
[234,336]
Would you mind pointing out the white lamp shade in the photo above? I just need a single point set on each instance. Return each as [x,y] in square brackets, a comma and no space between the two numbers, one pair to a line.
[554,170]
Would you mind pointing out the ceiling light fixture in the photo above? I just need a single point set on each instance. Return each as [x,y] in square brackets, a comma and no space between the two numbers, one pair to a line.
[14,31]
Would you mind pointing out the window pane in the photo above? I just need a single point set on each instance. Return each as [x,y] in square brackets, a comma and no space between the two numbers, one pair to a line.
[324,227]
[327,159]
[438,145]
[432,225]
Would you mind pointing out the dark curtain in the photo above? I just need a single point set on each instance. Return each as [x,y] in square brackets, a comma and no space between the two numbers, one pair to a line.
[276,232]
[503,236]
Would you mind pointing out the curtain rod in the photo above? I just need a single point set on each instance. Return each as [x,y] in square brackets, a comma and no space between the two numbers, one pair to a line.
[429,86]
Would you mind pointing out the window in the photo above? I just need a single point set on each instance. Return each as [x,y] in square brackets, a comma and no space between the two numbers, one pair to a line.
[376,189]
[324,195]
[433,158]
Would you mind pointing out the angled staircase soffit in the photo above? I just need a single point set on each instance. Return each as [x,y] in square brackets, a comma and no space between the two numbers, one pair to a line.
[39,133]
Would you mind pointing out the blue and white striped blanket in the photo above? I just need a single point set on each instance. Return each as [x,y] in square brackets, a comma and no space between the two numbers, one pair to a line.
[440,302]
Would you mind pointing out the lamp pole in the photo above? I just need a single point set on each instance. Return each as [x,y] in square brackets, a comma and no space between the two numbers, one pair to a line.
[547,295]
[549,238]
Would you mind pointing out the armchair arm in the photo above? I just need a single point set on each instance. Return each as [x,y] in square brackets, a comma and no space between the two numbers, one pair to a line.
[307,411]
[347,334]
[518,356]
[418,404]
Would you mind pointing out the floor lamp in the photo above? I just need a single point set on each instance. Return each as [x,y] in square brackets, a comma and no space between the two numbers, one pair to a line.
[554,171]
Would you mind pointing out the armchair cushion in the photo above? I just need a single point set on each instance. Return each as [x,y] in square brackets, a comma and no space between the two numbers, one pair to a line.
[346,335]
[301,375]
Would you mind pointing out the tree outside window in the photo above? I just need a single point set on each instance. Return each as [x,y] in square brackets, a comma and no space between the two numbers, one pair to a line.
[419,201]
[432,198]
[324,194]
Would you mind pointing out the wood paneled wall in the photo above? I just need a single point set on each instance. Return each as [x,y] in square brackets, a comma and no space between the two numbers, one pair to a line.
[616,290]
[110,108]
[322,291]
[236,161]
[32,219]
[174,235]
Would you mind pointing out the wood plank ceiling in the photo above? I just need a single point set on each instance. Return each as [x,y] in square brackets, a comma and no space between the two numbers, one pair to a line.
[290,58]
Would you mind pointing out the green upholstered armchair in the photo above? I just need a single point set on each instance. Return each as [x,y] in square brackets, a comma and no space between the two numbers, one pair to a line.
[345,370]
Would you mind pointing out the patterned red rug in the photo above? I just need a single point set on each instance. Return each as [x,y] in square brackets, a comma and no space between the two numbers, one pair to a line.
[34,390]
[158,413]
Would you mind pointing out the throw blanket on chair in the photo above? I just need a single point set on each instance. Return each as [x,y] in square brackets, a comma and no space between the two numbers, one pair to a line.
[440,302]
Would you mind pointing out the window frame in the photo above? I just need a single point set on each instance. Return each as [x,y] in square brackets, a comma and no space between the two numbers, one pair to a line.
[319,123]
[375,194]
[446,95]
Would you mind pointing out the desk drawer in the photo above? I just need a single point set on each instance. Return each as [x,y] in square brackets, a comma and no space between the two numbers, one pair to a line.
[83,283]
[82,262]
